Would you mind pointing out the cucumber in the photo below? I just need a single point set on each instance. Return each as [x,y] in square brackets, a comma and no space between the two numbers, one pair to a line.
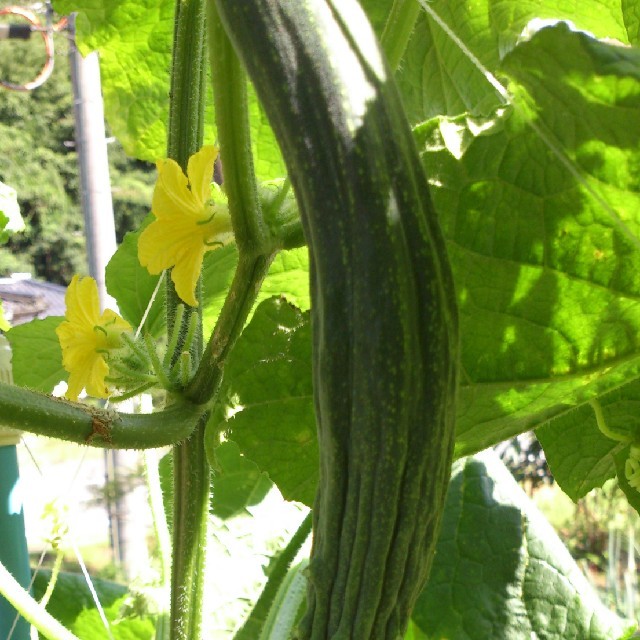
[384,318]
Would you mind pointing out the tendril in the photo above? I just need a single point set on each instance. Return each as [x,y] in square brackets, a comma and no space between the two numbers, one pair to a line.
[632,467]
[632,464]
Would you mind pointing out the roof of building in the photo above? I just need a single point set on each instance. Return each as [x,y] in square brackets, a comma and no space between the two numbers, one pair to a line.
[24,298]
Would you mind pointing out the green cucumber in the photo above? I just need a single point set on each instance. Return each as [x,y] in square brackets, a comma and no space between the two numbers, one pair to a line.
[35,412]
[384,318]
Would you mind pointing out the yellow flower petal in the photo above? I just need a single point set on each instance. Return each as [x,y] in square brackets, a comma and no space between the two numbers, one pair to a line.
[114,323]
[171,195]
[163,242]
[187,225]
[81,300]
[200,172]
[84,336]
[185,275]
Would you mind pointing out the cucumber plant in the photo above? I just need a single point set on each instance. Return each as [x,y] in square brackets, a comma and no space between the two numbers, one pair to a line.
[316,149]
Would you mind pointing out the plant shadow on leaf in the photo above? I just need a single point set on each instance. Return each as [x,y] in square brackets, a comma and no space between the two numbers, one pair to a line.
[544,276]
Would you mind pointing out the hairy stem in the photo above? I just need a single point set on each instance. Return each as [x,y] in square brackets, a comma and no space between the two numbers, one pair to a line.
[35,412]
[398,28]
[191,470]
[190,512]
[252,238]
[232,118]
[241,297]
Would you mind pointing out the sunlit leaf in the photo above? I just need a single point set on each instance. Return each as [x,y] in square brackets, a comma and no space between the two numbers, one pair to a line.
[438,78]
[546,279]
[269,392]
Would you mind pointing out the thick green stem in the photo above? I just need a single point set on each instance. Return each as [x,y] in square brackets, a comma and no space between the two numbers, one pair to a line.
[186,113]
[397,30]
[191,470]
[190,513]
[252,238]
[232,118]
[241,297]
[35,412]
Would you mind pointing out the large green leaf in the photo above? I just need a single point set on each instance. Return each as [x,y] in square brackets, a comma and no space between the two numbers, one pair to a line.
[546,280]
[268,391]
[581,457]
[36,354]
[134,40]
[288,276]
[72,604]
[500,570]
[438,78]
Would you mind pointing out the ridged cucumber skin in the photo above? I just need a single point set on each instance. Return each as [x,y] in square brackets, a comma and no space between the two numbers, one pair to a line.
[35,412]
[384,319]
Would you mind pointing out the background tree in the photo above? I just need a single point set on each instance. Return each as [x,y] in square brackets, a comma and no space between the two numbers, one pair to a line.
[39,160]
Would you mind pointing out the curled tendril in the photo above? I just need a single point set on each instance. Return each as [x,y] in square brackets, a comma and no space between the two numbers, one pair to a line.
[632,464]
[632,467]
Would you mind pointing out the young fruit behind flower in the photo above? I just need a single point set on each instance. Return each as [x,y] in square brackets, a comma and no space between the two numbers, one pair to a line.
[87,338]
[192,218]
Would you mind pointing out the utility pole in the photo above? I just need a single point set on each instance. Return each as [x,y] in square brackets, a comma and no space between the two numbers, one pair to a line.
[97,205]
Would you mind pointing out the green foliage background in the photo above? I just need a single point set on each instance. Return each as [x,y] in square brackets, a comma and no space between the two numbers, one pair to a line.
[539,203]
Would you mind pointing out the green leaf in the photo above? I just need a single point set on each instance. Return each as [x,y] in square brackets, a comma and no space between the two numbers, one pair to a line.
[72,604]
[268,162]
[579,456]
[132,286]
[237,482]
[289,277]
[268,391]
[633,496]
[36,354]
[546,280]
[217,274]
[631,16]
[438,78]
[377,11]
[500,570]
[134,40]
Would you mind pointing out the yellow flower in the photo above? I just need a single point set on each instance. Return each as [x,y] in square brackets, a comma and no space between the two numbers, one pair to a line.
[190,221]
[86,337]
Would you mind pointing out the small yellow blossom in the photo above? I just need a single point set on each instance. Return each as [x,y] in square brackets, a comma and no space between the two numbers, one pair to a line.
[86,337]
[190,220]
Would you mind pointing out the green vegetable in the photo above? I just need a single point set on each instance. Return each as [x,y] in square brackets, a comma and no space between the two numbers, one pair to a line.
[383,310]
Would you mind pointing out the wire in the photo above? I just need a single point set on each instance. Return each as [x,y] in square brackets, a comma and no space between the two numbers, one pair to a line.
[47,36]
